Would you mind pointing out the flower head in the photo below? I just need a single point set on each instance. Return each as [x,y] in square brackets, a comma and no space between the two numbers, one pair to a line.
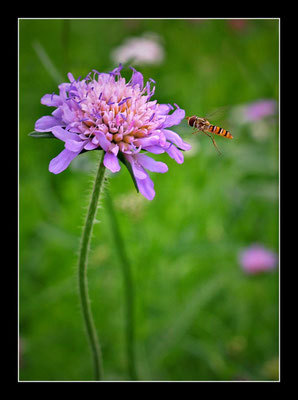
[103,111]
[256,259]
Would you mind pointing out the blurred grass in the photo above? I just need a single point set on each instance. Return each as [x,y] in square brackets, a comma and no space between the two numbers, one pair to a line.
[197,316]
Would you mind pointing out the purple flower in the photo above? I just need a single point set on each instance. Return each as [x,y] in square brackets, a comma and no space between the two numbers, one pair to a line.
[256,259]
[104,112]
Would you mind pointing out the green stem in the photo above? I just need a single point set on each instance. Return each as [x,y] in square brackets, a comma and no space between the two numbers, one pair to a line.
[82,271]
[128,288]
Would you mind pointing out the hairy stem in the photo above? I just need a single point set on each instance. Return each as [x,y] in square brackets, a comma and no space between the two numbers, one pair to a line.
[82,271]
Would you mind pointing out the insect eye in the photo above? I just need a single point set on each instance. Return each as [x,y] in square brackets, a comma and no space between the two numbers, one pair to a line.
[191,121]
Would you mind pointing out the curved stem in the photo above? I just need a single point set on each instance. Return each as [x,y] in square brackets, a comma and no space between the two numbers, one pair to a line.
[82,271]
[128,288]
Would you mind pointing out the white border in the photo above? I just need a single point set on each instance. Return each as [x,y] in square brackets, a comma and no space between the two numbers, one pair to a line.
[137,18]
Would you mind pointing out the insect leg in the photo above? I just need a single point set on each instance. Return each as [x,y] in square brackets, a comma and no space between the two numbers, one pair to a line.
[212,138]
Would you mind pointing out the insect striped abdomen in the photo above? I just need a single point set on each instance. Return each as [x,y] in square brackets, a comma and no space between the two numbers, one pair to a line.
[219,131]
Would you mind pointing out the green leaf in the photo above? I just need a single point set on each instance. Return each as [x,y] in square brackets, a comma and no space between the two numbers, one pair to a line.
[128,166]
[42,135]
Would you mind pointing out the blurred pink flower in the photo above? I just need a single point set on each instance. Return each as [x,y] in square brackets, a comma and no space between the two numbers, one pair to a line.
[259,109]
[237,24]
[256,259]
[146,49]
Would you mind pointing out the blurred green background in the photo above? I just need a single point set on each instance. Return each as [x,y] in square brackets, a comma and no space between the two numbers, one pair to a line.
[198,315]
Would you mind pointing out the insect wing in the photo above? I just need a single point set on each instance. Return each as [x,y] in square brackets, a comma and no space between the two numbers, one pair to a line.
[219,115]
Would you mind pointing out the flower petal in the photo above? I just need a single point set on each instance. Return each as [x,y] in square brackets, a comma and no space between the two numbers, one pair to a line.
[147,141]
[45,124]
[137,169]
[150,164]
[176,139]
[174,119]
[68,114]
[176,154]
[111,162]
[114,148]
[70,77]
[154,149]
[64,135]
[90,146]
[146,187]
[51,100]
[163,109]
[74,145]
[137,78]
[102,140]
[57,114]
[62,161]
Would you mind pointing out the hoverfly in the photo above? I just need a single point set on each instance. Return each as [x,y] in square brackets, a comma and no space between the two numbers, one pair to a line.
[203,125]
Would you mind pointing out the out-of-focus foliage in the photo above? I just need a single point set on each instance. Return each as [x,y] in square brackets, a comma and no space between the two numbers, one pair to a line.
[198,316]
